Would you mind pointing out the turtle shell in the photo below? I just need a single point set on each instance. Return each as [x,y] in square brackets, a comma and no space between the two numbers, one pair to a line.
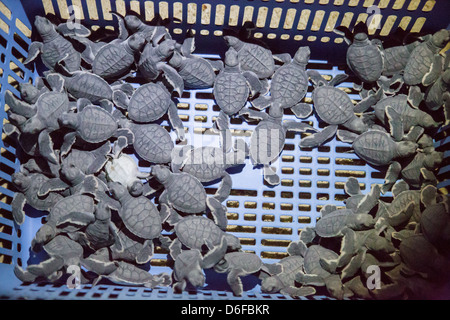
[231,91]
[375,147]
[96,124]
[74,203]
[51,106]
[57,49]
[195,231]
[411,173]
[206,163]
[399,103]
[148,103]
[248,262]
[258,59]
[266,142]
[197,74]
[111,61]
[31,194]
[434,97]
[153,143]
[403,199]
[80,159]
[332,105]
[63,247]
[312,260]
[88,85]
[366,61]
[291,266]
[332,224]
[418,253]
[141,217]
[122,169]
[186,193]
[127,274]
[395,59]
[289,85]
[435,223]
[130,248]
[418,65]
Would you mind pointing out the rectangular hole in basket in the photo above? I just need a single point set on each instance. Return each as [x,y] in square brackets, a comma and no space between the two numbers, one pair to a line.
[304,195]
[3,41]
[159,262]
[305,171]
[232,216]
[289,147]
[304,219]
[6,259]
[242,229]
[268,205]
[273,255]
[304,183]
[5,214]
[6,169]
[7,155]
[286,206]
[286,194]
[232,204]
[350,173]
[16,54]
[247,241]
[269,194]
[5,244]
[268,217]
[5,229]
[350,162]
[249,216]
[287,182]
[323,196]
[275,243]
[220,15]
[304,159]
[323,184]
[276,230]
[244,193]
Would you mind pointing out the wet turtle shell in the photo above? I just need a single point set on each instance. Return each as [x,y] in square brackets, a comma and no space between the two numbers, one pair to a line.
[206,163]
[112,60]
[196,231]
[257,59]
[65,248]
[365,60]
[248,262]
[230,91]
[75,203]
[186,193]
[141,217]
[332,105]
[31,193]
[153,143]
[197,73]
[418,65]
[266,134]
[332,224]
[88,85]
[149,103]
[375,147]
[96,124]
[312,260]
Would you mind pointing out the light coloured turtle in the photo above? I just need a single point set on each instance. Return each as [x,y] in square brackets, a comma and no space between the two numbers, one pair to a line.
[284,282]
[425,63]
[333,224]
[434,96]
[268,138]
[27,193]
[139,214]
[185,193]
[53,47]
[239,264]
[149,103]
[131,248]
[289,84]
[252,57]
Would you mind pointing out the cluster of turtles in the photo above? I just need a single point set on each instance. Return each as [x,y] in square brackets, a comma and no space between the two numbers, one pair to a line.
[101,100]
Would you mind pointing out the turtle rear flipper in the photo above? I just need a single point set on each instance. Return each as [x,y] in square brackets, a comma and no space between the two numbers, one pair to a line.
[24,275]
[235,282]
[34,50]
[302,110]
[17,206]
[319,138]
[298,292]
[69,140]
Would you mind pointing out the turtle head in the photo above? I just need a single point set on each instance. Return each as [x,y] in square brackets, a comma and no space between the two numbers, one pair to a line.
[271,285]
[232,41]
[102,211]
[364,220]
[167,47]
[360,37]
[136,41]
[133,22]
[28,92]
[161,173]
[428,122]
[20,181]
[231,57]
[68,120]
[233,242]
[33,126]
[117,190]
[71,173]
[196,277]
[302,55]
[44,26]
[406,148]
[136,189]
[176,60]
[440,38]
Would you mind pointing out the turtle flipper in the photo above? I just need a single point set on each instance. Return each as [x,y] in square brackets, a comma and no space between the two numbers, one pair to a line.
[120,99]
[415,96]
[175,249]
[297,248]
[309,279]
[34,50]
[270,176]
[55,184]
[175,121]
[399,187]
[302,110]
[428,195]
[172,76]
[253,82]
[18,106]
[17,205]
[392,174]
[224,189]
[218,211]
[46,147]
[217,65]
[69,140]
[68,29]
[414,133]
[235,282]
[353,266]
[261,102]
[215,254]
[368,102]
[146,253]
[395,123]
[319,138]
[47,267]
[56,82]
[370,200]
[24,275]
[125,133]
[303,291]
[351,187]
[436,68]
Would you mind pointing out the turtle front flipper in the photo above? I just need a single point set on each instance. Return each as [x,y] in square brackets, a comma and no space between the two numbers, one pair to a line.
[428,195]
[309,279]
[391,176]
[17,206]
[215,253]
[69,140]
[415,96]
[69,29]
[175,248]
[353,265]
[146,253]
[235,282]
[34,50]
[253,82]
[24,275]
[47,267]
[172,76]
[414,133]
[303,291]
[175,121]
[262,102]
[55,184]
[297,248]
[319,138]
[218,211]
[46,147]
[395,123]
[368,101]
[435,70]
[370,200]
[56,82]
[120,99]
[224,189]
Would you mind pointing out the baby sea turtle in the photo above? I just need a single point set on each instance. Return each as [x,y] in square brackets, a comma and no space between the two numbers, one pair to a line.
[268,138]
[152,34]
[334,107]
[435,225]
[53,47]
[364,56]
[28,186]
[130,248]
[289,84]
[396,58]
[185,193]
[188,268]
[405,205]
[139,214]
[116,59]
[89,161]
[333,224]
[252,57]
[425,63]
[30,93]
[434,96]
[239,264]
[149,103]
[422,161]
[284,282]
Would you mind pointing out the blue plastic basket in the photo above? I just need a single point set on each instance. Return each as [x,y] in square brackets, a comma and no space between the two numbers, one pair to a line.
[266,219]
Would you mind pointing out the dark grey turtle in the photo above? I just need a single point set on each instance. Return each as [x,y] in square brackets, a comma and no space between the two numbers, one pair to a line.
[252,57]
[315,275]
[139,214]
[28,186]
[131,248]
[93,124]
[425,64]
[284,282]
[53,47]
[88,161]
[410,117]
[116,59]
[188,269]
[129,274]
[405,206]
[364,56]
[435,225]
[429,161]
[334,107]
[152,63]
[149,103]
[434,96]
[268,138]
[357,201]
[239,264]
[333,224]
[197,72]
[396,58]
[185,193]
[289,85]
[69,214]
[232,87]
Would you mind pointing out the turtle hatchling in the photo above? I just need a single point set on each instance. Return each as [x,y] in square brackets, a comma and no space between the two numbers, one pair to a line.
[334,223]
[434,96]
[130,248]
[188,269]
